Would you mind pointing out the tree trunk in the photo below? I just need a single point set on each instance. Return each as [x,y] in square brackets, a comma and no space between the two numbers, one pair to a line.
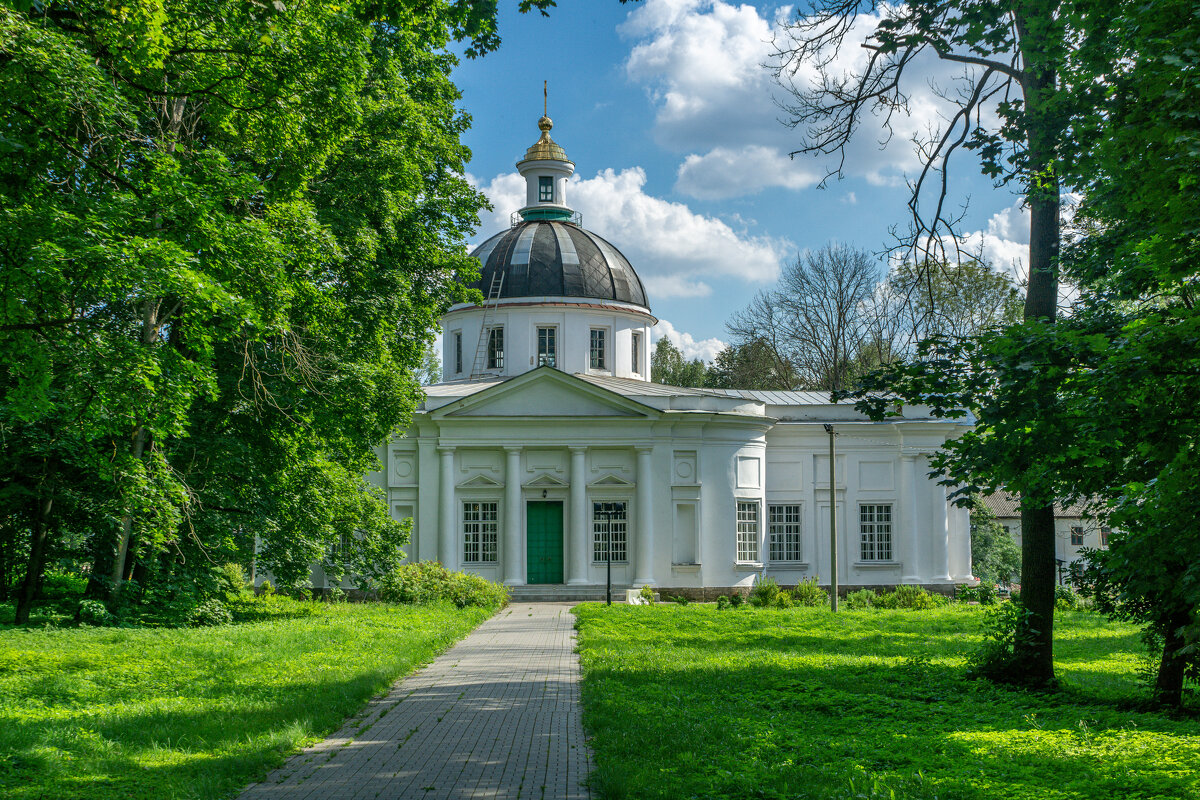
[1037,31]
[1168,686]
[37,559]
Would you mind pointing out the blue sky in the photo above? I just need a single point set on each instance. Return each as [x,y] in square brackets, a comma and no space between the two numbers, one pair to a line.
[681,160]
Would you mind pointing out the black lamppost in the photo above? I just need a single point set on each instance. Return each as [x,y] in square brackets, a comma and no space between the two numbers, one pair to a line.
[604,510]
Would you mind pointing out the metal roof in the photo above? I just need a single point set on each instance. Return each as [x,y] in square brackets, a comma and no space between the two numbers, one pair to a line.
[1008,506]
[554,258]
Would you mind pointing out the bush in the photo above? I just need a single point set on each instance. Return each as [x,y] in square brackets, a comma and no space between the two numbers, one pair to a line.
[93,612]
[231,581]
[647,595]
[764,592]
[1067,599]
[863,598]
[994,659]
[736,599]
[680,599]
[911,597]
[808,593]
[966,593]
[987,594]
[209,613]
[429,582]
[722,602]
[784,599]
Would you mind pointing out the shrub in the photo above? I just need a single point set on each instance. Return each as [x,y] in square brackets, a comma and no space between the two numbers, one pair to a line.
[231,581]
[784,599]
[94,612]
[987,594]
[909,596]
[209,613]
[863,598]
[808,593]
[1067,599]
[680,599]
[994,659]
[722,602]
[335,594]
[966,593]
[764,592]
[429,582]
[266,588]
[736,599]
[647,595]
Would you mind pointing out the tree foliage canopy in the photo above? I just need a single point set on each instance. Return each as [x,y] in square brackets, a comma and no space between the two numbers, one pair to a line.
[228,232]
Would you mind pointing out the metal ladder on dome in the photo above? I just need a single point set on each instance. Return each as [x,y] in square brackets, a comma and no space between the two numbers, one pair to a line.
[489,305]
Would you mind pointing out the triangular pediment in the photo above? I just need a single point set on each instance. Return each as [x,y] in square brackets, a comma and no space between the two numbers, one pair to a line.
[545,481]
[480,482]
[545,393]
[610,479]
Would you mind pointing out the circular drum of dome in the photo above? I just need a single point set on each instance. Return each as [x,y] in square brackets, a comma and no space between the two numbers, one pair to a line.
[552,258]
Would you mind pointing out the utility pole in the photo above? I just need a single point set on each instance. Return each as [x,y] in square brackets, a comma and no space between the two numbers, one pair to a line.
[833,564]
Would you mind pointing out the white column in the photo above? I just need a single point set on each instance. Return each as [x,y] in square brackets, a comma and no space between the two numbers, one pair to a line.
[514,532]
[910,519]
[447,551]
[961,540]
[577,539]
[644,569]
[941,535]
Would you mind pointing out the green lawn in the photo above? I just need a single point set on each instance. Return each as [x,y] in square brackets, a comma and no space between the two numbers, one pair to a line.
[692,702]
[88,713]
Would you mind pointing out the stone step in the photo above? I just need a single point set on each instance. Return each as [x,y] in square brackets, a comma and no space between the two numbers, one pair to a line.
[541,593]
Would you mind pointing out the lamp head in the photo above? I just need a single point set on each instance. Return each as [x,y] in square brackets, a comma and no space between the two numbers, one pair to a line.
[829,429]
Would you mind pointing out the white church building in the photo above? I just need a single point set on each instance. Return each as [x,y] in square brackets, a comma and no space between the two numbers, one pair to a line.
[547,449]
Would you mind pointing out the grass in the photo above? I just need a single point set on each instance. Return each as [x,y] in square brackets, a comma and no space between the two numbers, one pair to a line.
[97,713]
[699,703]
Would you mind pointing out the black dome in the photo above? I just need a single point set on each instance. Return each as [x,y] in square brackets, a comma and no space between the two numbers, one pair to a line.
[551,258]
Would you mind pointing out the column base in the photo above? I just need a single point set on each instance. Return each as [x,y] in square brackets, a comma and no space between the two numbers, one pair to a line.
[911,579]
[579,582]
[513,582]
[941,579]
[640,582]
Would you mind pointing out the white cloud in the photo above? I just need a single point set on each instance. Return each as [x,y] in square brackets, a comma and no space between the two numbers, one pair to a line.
[702,63]
[727,172]
[704,349]
[673,249]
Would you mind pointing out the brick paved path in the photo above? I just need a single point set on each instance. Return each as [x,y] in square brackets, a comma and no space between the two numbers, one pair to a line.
[496,716]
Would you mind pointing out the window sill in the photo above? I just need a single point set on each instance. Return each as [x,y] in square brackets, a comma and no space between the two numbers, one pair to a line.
[689,567]
[747,566]
[788,564]
[614,563]
[878,564]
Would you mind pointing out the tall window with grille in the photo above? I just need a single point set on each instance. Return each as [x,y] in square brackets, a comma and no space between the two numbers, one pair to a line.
[747,530]
[1104,533]
[783,530]
[458,352]
[610,523]
[875,532]
[545,189]
[636,360]
[597,349]
[479,532]
[547,347]
[1076,535]
[495,348]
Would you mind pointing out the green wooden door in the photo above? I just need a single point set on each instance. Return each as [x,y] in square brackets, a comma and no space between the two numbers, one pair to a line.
[544,542]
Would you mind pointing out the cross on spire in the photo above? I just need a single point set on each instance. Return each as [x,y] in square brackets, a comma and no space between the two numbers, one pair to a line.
[545,100]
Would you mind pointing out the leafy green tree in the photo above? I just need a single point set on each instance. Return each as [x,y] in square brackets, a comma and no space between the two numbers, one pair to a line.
[995,556]
[751,365]
[1014,59]
[668,366]
[228,231]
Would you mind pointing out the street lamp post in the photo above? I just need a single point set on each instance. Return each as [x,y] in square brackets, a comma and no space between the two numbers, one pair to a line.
[604,511]
[833,565]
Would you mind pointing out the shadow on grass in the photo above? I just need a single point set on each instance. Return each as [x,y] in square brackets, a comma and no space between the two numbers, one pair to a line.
[730,712]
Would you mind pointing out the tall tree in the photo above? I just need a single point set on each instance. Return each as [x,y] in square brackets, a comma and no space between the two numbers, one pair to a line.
[817,318]
[1013,54]
[668,366]
[228,230]
[750,365]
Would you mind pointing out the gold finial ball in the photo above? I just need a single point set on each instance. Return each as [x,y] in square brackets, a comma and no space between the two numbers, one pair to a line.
[545,124]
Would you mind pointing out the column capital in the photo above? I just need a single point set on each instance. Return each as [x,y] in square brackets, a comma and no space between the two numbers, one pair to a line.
[643,448]
[513,448]
[445,448]
[577,448]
